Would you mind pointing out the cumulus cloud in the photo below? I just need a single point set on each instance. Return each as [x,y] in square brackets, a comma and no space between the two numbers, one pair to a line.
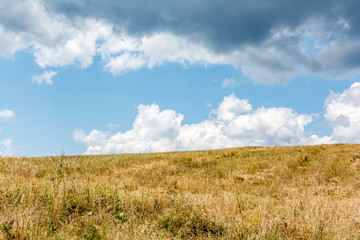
[343,112]
[45,77]
[6,114]
[231,107]
[236,124]
[153,130]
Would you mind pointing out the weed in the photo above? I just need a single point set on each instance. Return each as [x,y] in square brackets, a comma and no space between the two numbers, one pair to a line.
[6,228]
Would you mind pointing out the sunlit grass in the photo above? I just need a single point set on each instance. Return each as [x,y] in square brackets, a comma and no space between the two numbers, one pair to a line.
[306,192]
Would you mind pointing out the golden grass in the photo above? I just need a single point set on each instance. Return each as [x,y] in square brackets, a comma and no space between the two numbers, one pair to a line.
[305,192]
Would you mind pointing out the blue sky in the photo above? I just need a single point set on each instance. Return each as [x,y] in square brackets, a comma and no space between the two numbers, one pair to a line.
[100,77]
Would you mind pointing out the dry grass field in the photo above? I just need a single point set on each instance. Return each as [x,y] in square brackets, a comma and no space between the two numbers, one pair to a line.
[305,192]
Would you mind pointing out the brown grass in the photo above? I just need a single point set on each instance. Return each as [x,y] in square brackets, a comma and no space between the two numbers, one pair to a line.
[305,192]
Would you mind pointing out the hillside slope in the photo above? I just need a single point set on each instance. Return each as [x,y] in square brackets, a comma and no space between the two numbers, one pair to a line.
[305,192]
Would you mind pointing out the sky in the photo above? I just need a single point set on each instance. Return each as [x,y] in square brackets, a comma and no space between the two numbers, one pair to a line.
[134,76]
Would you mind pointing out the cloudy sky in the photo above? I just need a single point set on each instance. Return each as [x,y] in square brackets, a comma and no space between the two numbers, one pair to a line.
[112,76]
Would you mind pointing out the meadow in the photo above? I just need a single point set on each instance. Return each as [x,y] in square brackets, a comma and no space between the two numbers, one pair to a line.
[301,192]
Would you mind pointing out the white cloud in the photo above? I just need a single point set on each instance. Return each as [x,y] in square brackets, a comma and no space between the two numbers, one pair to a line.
[94,138]
[79,46]
[6,114]
[236,124]
[232,107]
[5,147]
[45,77]
[153,130]
[316,140]
[167,47]
[343,112]
[125,62]
[10,43]
[54,39]
[123,53]
[230,83]
[269,126]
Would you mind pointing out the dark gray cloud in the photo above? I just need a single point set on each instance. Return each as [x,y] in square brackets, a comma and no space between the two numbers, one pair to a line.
[351,13]
[223,25]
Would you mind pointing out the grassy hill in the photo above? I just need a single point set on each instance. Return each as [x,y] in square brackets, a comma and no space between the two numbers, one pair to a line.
[305,192]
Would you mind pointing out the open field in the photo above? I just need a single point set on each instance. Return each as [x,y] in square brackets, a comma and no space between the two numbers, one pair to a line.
[306,192]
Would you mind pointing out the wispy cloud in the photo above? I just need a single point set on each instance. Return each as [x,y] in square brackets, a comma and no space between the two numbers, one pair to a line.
[6,114]
[230,83]
[45,77]
[6,147]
